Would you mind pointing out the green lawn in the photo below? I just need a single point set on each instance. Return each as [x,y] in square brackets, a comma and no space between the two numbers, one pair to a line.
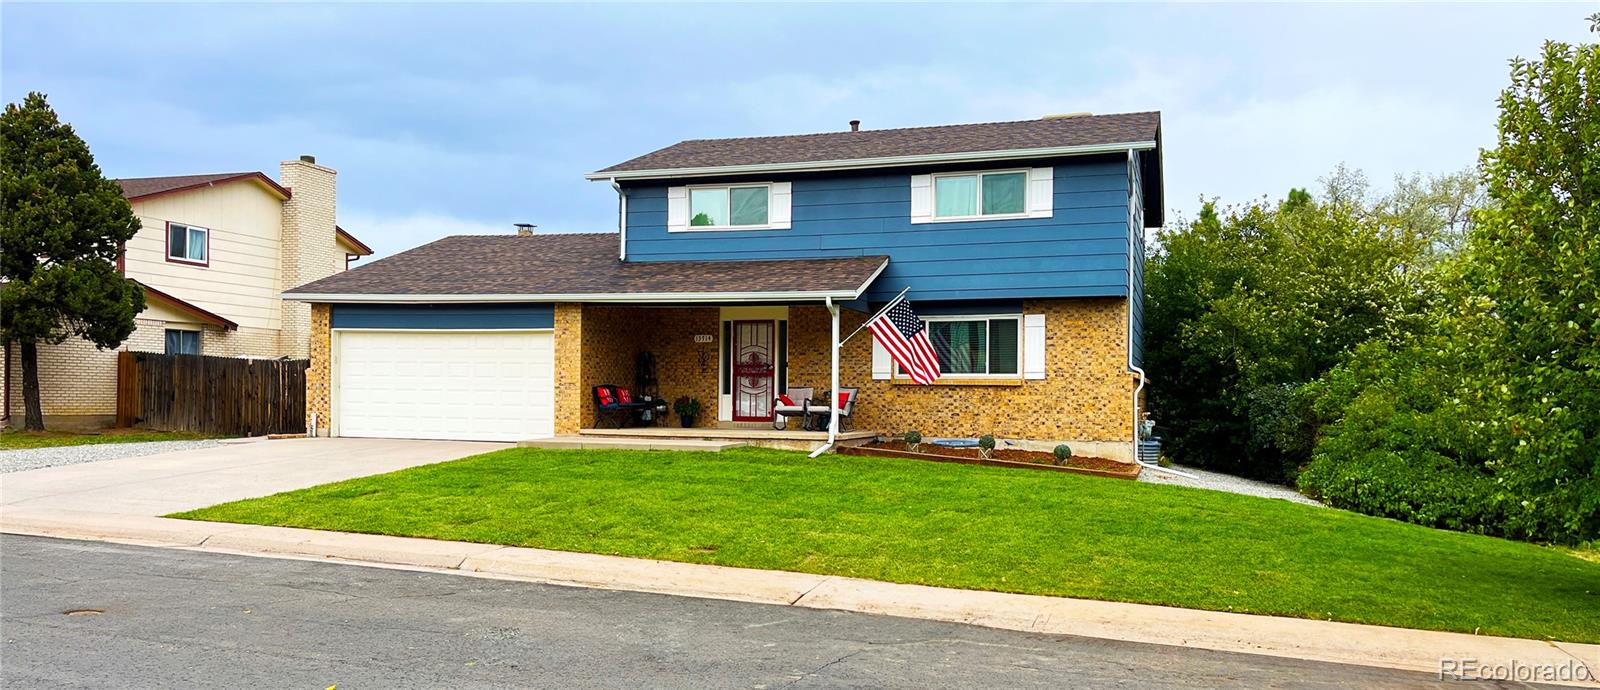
[17,440]
[967,526]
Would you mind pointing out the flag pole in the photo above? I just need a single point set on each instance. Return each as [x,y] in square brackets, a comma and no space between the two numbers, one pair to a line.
[886,307]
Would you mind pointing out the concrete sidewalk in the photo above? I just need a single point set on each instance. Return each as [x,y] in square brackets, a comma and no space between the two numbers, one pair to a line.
[185,480]
[1343,643]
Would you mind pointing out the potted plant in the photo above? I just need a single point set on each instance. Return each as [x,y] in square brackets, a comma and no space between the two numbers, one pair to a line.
[986,446]
[913,441]
[688,409]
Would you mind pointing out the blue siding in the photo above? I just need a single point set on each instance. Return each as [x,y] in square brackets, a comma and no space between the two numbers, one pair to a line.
[1138,298]
[443,316]
[1081,251]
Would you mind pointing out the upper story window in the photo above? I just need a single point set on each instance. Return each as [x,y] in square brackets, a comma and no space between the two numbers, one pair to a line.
[722,207]
[982,195]
[750,206]
[986,194]
[188,244]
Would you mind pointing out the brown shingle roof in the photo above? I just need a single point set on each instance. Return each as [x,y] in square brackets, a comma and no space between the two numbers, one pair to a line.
[141,187]
[1045,133]
[579,264]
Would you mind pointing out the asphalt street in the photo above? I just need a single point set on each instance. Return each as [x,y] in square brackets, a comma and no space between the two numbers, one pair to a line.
[96,615]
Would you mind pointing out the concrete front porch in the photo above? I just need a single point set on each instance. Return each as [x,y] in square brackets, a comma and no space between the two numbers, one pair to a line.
[765,438]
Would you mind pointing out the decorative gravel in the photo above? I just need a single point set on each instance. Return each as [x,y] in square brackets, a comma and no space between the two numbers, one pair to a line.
[1218,481]
[38,458]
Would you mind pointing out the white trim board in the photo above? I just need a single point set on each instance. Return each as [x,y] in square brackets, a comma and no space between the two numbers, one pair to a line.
[625,297]
[883,162]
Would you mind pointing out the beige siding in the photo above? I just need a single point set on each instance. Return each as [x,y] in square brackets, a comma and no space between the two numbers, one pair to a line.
[243,279]
[260,245]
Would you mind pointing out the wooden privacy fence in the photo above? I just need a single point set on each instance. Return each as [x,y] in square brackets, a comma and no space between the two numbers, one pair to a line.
[214,395]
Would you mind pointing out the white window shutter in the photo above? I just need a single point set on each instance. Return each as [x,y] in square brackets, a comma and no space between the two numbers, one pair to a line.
[677,209]
[778,209]
[922,198]
[1041,192]
[1033,346]
[882,366]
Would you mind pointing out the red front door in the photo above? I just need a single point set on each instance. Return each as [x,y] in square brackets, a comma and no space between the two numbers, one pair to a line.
[753,382]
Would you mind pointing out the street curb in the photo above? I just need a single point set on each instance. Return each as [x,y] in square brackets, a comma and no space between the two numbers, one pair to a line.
[1333,642]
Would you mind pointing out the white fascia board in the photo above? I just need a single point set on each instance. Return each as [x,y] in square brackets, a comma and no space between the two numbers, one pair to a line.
[639,297]
[620,297]
[883,162]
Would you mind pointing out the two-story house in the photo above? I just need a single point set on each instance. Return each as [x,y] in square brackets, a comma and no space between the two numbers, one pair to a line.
[213,254]
[741,264]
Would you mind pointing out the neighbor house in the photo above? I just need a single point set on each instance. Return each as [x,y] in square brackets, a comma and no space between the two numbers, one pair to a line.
[741,263]
[213,254]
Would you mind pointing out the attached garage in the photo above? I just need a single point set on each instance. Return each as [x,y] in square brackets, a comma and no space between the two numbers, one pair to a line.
[461,372]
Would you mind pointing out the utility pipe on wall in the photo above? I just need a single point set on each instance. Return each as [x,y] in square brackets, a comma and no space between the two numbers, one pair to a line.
[622,219]
[1133,159]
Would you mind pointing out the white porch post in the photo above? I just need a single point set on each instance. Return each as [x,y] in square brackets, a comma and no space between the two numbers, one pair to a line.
[833,374]
[833,405]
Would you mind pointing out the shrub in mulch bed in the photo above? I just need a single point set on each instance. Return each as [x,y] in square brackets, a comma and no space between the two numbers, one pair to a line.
[1000,457]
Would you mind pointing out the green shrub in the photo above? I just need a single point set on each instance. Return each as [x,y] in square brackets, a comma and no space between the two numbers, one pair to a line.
[913,439]
[1416,439]
[1063,453]
[986,445]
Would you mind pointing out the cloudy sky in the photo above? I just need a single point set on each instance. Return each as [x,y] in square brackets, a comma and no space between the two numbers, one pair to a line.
[451,119]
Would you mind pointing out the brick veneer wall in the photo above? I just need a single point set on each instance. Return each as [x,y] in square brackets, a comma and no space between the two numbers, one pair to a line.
[319,385]
[1085,395]
[242,342]
[569,368]
[684,367]
[599,344]
[78,382]
[609,334]
[309,248]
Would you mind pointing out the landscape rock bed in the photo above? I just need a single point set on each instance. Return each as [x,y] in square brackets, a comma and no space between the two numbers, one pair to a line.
[1001,457]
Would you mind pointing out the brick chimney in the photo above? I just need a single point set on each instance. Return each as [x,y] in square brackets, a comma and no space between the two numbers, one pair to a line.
[309,245]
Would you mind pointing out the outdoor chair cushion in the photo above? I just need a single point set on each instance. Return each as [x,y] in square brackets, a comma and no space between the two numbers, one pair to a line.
[792,403]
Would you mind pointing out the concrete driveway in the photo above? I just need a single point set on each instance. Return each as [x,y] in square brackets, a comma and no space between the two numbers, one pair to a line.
[185,480]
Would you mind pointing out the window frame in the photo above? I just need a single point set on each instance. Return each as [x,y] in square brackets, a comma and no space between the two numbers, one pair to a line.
[198,340]
[188,233]
[898,373]
[727,189]
[1027,193]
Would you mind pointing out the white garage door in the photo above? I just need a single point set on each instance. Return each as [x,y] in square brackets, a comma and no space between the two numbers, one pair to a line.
[464,385]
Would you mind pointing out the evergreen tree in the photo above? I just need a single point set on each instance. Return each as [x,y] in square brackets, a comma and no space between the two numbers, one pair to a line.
[62,226]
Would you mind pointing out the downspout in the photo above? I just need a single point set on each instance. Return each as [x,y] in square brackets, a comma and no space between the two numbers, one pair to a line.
[1132,368]
[833,405]
[622,219]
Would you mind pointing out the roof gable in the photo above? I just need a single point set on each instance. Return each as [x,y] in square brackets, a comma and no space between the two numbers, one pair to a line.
[138,188]
[574,267]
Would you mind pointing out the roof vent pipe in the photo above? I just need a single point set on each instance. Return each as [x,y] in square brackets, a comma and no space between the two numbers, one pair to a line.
[525,229]
[855,125]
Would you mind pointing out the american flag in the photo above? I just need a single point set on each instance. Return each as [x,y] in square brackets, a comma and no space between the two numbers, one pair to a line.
[906,338]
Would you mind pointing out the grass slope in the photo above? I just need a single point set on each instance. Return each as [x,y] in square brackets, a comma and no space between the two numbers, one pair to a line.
[19,440]
[971,527]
